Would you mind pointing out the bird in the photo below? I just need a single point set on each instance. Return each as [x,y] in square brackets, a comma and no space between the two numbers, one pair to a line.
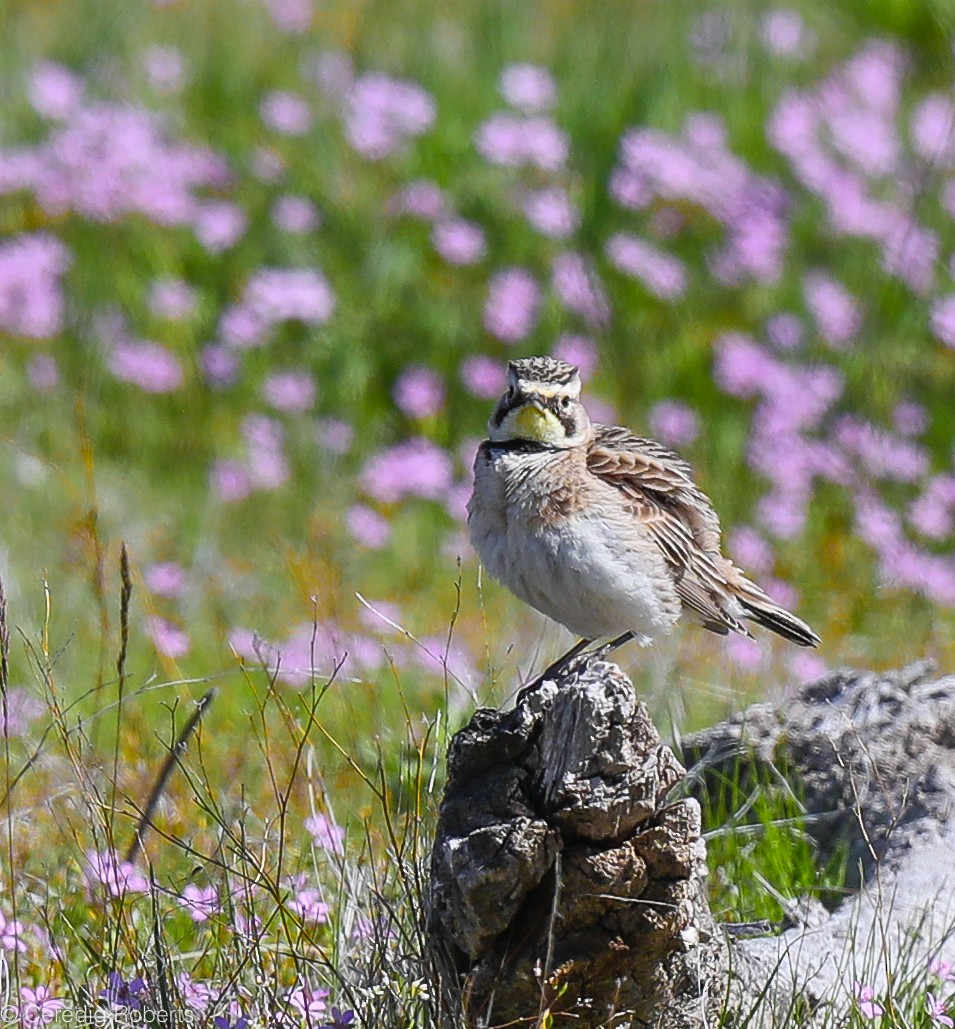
[603,531]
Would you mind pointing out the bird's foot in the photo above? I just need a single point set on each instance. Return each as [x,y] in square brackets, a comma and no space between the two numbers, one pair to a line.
[605,649]
[554,668]
[578,653]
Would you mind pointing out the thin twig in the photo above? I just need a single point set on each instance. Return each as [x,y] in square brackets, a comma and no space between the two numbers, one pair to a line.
[175,752]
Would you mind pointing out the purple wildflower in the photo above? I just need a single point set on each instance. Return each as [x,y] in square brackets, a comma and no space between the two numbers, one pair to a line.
[11,935]
[944,970]
[661,273]
[43,373]
[630,189]
[119,877]
[741,368]
[196,995]
[54,91]
[307,903]
[514,142]
[295,214]
[147,365]
[528,87]
[751,550]
[910,418]
[326,833]
[165,579]
[936,1011]
[22,710]
[308,1001]
[282,294]
[38,1006]
[577,350]
[267,464]
[833,308]
[551,212]
[121,994]
[419,392]
[286,112]
[165,68]
[225,1022]
[745,653]
[230,481]
[340,1019]
[580,290]
[200,902]
[511,306]
[243,328]
[421,199]
[31,300]
[910,252]
[219,225]
[675,423]
[884,455]
[335,435]
[292,16]
[292,391]
[783,512]
[111,159]
[367,527]
[459,241]
[943,319]
[220,366]
[333,71]
[785,331]
[382,113]
[168,638]
[932,513]
[865,997]
[415,467]
[482,376]
[172,299]
[933,129]
[784,34]
[807,667]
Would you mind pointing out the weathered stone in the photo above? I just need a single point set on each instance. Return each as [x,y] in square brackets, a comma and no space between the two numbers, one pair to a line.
[542,891]
[567,877]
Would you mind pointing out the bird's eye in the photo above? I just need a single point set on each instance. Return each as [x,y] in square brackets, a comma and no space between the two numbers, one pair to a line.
[564,402]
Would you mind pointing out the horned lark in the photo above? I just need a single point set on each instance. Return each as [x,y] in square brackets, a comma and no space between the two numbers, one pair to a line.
[601,530]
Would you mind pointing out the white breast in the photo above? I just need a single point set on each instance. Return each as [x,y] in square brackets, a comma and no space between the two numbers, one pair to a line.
[589,571]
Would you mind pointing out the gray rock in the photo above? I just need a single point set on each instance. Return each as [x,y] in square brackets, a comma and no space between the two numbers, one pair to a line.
[568,871]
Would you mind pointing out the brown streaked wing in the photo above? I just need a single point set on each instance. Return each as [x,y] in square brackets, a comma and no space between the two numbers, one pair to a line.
[636,465]
[674,512]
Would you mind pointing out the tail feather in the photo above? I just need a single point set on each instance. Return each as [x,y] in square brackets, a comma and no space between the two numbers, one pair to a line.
[777,619]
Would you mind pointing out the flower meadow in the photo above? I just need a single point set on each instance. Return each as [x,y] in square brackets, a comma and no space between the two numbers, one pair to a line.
[262,264]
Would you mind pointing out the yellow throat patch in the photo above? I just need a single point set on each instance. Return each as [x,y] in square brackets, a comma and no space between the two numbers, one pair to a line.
[540,426]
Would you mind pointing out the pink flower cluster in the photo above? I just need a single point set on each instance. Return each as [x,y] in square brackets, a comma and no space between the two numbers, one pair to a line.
[110,160]
[273,296]
[697,167]
[383,113]
[31,293]
[843,145]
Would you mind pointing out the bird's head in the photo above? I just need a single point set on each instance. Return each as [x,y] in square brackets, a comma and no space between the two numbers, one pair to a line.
[541,404]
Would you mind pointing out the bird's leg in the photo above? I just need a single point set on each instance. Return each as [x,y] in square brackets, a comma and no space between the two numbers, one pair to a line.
[615,644]
[554,667]
[575,651]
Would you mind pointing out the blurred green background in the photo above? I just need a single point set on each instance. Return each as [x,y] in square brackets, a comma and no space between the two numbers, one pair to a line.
[160,143]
